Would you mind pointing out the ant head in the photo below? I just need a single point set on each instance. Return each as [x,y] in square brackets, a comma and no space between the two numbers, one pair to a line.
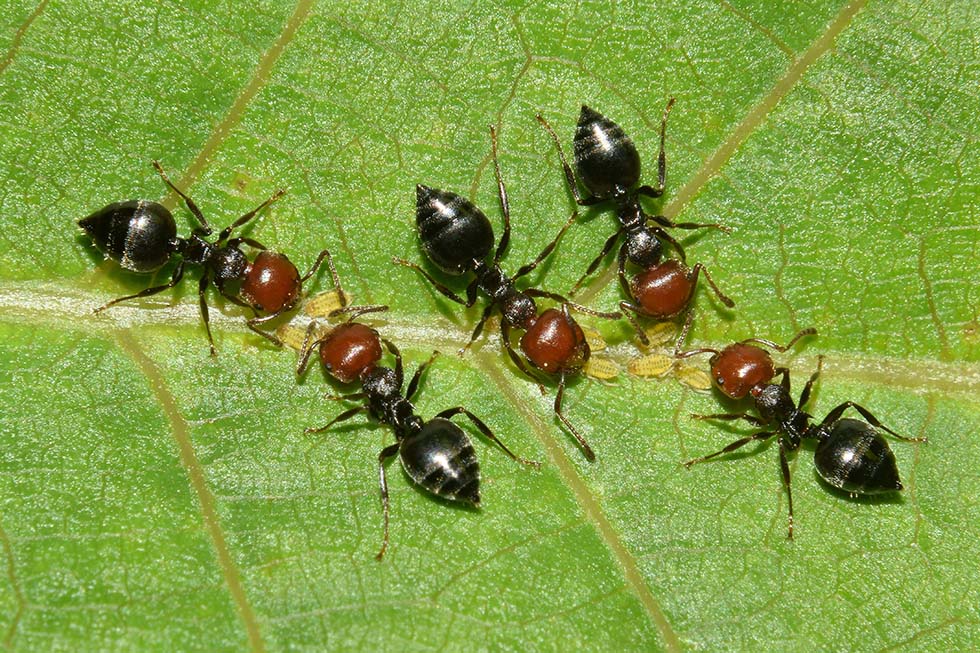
[350,351]
[740,368]
[519,310]
[607,161]
[555,342]
[453,231]
[271,283]
[663,290]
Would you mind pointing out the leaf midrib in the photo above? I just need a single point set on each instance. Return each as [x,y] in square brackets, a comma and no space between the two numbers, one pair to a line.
[69,307]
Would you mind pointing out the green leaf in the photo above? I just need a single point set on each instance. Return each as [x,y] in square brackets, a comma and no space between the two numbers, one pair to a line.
[154,498]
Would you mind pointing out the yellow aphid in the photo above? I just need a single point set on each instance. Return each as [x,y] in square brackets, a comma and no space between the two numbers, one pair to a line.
[650,365]
[594,338]
[292,337]
[693,377]
[661,333]
[601,368]
[323,304]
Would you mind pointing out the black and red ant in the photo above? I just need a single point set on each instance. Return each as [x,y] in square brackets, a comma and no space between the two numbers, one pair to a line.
[850,455]
[141,236]
[457,237]
[436,454]
[609,166]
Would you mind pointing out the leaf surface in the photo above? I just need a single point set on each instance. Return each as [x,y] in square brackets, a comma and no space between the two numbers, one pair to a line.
[154,498]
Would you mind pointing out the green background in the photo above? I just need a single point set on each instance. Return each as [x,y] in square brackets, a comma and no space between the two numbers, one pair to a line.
[154,498]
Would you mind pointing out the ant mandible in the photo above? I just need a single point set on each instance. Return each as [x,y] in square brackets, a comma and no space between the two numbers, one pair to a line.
[850,455]
[457,237]
[436,454]
[141,236]
[608,165]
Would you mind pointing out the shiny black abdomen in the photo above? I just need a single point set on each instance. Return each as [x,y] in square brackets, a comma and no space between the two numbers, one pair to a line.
[856,458]
[453,231]
[605,157]
[441,458]
[138,234]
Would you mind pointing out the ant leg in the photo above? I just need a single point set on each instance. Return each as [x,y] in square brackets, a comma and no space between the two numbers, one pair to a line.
[237,301]
[661,159]
[741,442]
[835,414]
[535,292]
[253,322]
[784,372]
[385,454]
[664,221]
[628,309]
[235,242]
[594,265]
[548,248]
[505,336]
[348,397]
[346,415]
[248,216]
[784,466]
[584,309]
[666,237]
[471,291]
[188,201]
[621,265]
[781,348]
[438,286]
[502,194]
[485,430]
[805,395]
[174,280]
[399,370]
[316,266]
[693,352]
[357,311]
[336,277]
[413,385]
[586,449]
[751,419]
[569,175]
[308,344]
[724,299]
[688,321]
[202,287]
[479,327]
[578,308]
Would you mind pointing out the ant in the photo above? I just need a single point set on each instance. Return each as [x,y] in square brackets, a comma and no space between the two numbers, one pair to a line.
[141,236]
[457,237]
[850,455]
[436,454]
[608,165]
